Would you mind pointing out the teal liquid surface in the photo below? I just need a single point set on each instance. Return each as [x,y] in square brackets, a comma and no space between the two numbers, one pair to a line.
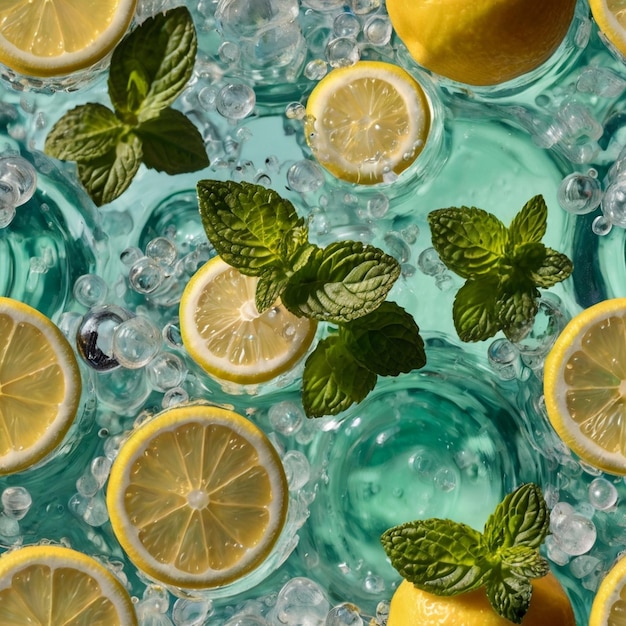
[446,441]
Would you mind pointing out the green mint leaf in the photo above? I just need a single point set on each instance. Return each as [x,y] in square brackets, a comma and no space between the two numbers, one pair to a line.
[509,595]
[151,65]
[108,176]
[516,312]
[469,241]
[333,380]
[528,257]
[529,225]
[88,131]
[269,288]
[554,268]
[524,561]
[386,341]
[521,519]
[171,143]
[251,227]
[341,282]
[438,556]
[474,309]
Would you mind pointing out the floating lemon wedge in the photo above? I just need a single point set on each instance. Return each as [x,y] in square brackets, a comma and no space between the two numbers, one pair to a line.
[197,497]
[55,586]
[585,385]
[224,333]
[368,122]
[56,37]
[40,386]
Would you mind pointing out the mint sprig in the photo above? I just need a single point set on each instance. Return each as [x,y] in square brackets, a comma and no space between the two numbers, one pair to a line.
[346,284]
[149,69]
[448,558]
[504,267]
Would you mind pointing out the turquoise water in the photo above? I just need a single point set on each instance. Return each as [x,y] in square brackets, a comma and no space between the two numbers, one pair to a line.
[448,441]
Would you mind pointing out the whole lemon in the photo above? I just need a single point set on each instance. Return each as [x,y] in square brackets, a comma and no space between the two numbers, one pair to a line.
[410,606]
[481,42]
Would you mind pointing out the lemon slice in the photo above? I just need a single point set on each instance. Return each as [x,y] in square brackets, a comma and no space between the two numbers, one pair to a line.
[56,37]
[610,599]
[56,586]
[197,497]
[610,16]
[368,122]
[585,385]
[224,333]
[40,386]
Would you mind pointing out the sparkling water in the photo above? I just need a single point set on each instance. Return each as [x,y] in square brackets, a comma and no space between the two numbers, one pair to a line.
[445,441]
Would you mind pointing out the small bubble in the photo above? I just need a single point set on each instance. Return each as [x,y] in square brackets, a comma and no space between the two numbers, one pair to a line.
[90,290]
[235,101]
[342,52]
[316,69]
[16,502]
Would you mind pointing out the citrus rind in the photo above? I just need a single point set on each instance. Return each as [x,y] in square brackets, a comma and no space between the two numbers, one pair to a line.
[139,447]
[22,456]
[614,29]
[350,125]
[612,591]
[55,563]
[567,344]
[24,24]
[275,340]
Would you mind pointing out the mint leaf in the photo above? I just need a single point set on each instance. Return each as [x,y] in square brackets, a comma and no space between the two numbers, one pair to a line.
[108,176]
[341,282]
[438,556]
[469,241]
[474,309]
[86,132]
[509,595]
[516,312]
[386,341]
[151,65]
[270,287]
[554,268]
[251,227]
[503,267]
[529,225]
[524,561]
[447,558]
[171,143]
[521,519]
[333,380]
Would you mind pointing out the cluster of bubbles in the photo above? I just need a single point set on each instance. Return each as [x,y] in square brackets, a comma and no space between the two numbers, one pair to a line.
[585,516]
[299,601]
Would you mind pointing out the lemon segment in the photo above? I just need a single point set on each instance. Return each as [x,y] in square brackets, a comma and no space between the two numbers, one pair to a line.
[56,37]
[56,586]
[585,385]
[483,42]
[197,497]
[368,122]
[410,606]
[610,16]
[40,386]
[609,602]
[225,334]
